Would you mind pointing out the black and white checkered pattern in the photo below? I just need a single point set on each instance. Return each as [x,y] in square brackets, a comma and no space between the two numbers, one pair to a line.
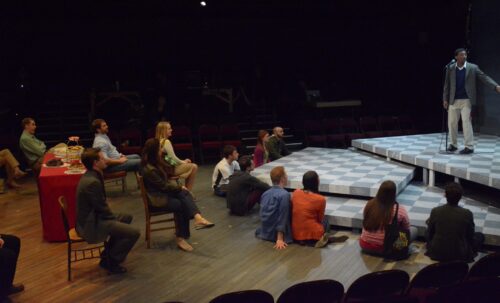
[340,171]
[483,166]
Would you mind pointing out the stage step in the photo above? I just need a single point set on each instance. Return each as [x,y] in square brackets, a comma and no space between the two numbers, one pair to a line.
[341,171]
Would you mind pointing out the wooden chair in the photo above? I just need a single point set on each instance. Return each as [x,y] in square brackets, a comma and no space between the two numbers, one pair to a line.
[150,214]
[245,296]
[88,251]
[377,285]
[116,177]
[320,291]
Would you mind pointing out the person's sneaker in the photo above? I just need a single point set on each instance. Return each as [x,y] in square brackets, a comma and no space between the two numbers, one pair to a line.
[451,148]
[15,288]
[322,242]
[466,151]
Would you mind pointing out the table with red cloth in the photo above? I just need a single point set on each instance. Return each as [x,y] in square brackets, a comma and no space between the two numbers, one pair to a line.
[53,183]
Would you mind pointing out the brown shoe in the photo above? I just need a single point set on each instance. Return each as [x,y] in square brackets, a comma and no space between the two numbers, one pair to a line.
[322,242]
[340,239]
[14,185]
[184,245]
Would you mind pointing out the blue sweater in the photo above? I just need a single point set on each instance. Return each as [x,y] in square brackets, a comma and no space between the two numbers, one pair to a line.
[460,92]
[275,215]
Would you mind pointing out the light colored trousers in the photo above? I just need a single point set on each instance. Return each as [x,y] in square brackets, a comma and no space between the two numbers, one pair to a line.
[461,108]
[10,163]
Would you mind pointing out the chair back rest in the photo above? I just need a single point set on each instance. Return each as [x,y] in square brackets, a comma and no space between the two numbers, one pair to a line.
[378,284]
[140,181]
[439,274]
[388,123]
[182,134]
[64,206]
[246,296]
[320,291]
[484,290]
[313,127]
[208,132]
[332,126]
[368,124]
[487,266]
[349,125]
[229,131]
[132,134]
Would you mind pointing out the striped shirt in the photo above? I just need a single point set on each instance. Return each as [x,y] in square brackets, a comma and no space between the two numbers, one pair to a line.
[374,240]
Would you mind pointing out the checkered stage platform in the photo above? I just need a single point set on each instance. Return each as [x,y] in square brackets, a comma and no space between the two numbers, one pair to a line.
[341,171]
[483,166]
[418,200]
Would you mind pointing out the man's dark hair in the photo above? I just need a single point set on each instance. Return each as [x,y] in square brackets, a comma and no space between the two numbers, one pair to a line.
[245,162]
[88,157]
[459,50]
[96,124]
[310,180]
[26,121]
[453,193]
[228,150]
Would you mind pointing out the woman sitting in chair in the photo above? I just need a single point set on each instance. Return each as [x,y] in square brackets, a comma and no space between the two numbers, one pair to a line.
[164,196]
[184,169]
[378,213]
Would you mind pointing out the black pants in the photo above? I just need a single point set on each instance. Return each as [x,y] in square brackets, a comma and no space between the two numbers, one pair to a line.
[184,208]
[478,241]
[8,261]
[122,239]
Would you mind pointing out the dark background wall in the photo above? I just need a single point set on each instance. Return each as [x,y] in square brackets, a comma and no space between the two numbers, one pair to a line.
[485,50]
[388,53]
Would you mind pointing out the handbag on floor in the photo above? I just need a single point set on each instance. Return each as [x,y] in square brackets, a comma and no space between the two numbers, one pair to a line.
[396,240]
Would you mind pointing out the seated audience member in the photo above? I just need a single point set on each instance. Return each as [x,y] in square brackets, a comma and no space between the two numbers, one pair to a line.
[276,145]
[115,161]
[95,221]
[378,213]
[260,154]
[184,169]
[275,211]
[224,169]
[309,223]
[11,167]
[244,190]
[32,148]
[164,196]
[450,229]
[9,253]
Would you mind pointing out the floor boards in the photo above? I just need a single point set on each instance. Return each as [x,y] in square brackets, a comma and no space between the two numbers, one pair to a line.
[226,258]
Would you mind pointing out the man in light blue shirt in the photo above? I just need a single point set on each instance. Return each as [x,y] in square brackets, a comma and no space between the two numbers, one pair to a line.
[275,211]
[114,160]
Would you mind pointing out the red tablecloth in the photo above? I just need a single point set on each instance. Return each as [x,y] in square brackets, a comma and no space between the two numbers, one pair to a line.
[52,183]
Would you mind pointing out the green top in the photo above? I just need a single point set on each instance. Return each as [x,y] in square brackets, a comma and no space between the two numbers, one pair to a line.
[32,148]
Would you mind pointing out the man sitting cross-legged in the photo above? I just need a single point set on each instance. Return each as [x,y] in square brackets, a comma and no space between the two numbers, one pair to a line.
[244,190]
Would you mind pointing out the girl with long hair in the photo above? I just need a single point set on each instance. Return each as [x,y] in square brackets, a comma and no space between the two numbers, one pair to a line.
[163,195]
[260,154]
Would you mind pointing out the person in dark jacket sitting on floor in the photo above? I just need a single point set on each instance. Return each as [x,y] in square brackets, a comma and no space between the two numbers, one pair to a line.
[450,229]
[244,190]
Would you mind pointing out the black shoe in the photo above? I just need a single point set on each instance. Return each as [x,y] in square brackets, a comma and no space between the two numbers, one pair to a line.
[451,148]
[15,288]
[112,268]
[466,151]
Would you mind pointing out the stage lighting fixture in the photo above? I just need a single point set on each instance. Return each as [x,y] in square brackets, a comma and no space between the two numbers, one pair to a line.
[203,3]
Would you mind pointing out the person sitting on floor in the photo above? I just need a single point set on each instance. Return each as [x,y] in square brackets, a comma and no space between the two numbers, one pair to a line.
[115,161]
[9,253]
[260,154]
[224,169]
[95,221]
[184,169]
[275,211]
[11,167]
[244,190]
[163,196]
[309,224]
[32,148]
[450,230]
[276,145]
[377,214]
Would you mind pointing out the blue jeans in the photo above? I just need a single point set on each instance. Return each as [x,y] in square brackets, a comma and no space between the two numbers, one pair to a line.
[133,164]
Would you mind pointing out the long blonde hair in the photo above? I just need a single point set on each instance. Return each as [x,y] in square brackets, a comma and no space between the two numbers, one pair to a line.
[161,130]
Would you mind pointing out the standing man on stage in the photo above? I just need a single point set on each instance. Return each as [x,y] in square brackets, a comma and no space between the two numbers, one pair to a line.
[459,94]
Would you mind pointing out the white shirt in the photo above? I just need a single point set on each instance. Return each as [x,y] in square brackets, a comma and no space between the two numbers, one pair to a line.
[222,171]
[465,65]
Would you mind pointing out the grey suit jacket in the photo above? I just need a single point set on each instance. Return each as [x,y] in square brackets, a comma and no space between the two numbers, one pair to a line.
[472,72]
[93,215]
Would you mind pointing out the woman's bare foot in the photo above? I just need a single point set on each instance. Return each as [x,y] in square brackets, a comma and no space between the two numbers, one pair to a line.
[184,245]
[200,222]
